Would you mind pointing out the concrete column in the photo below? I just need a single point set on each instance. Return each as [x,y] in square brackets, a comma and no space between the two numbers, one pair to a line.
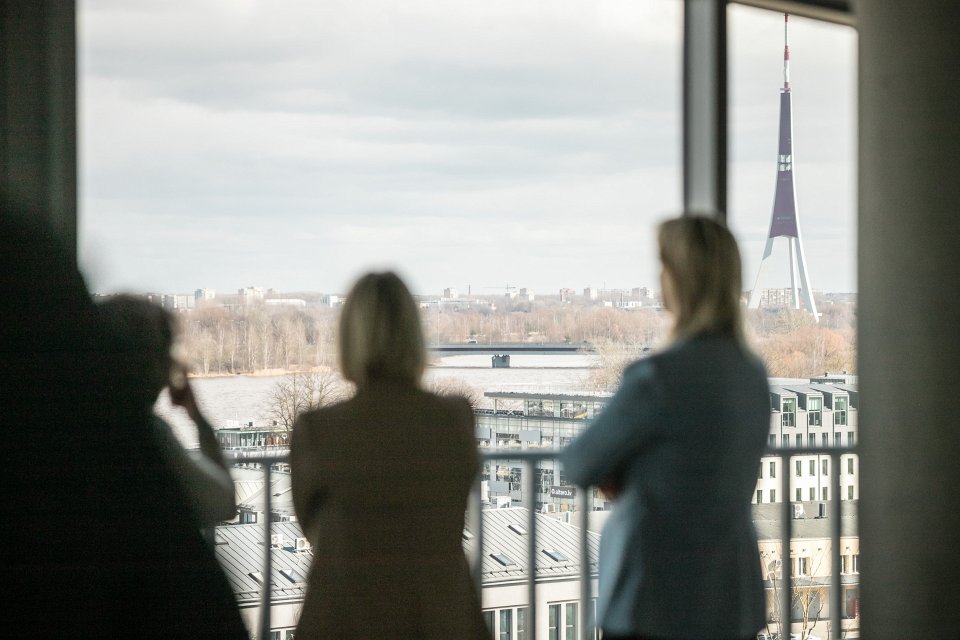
[38,112]
[909,241]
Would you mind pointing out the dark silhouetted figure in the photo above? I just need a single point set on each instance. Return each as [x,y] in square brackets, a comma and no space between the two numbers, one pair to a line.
[98,536]
[147,333]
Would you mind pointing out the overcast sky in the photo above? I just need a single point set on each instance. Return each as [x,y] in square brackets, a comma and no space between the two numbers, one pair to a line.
[293,145]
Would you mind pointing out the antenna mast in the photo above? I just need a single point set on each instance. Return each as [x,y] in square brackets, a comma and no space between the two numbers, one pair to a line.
[786,54]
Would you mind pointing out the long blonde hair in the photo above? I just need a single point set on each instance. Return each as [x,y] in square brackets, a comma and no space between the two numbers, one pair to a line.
[702,262]
[380,334]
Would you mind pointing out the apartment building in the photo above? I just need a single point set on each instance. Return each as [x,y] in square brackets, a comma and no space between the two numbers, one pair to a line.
[817,415]
[822,413]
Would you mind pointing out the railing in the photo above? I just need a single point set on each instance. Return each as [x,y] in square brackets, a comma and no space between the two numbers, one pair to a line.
[528,460]
[529,492]
[786,517]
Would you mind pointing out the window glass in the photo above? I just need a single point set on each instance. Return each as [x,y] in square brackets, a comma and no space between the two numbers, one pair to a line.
[488,621]
[840,411]
[506,624]
[788,415]
[814,408]
[522,623]
[553,620]
[571,622]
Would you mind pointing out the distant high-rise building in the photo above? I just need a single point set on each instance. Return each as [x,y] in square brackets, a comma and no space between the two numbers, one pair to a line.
[204,294]
[177,301]
[785,222]
[250,295]
[450,293]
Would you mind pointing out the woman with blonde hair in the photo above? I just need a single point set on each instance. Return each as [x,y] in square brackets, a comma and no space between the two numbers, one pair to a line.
[380,485]
[677,448]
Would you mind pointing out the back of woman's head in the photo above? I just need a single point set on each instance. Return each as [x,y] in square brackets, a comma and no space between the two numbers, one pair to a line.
[380,334]
[701,259]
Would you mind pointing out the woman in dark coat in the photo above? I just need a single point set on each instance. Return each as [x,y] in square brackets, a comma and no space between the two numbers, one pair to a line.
[380,485]
[678,447]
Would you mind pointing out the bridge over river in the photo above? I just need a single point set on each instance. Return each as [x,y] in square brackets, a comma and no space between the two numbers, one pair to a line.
[511,348]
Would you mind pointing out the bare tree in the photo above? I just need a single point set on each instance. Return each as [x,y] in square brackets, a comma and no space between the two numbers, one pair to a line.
[302,391]
[455,387]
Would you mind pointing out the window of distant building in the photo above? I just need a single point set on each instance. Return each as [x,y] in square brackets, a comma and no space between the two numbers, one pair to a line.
[772,440]
[850,492]
[801,566]
[826,494]
[773,495]
[824,467]
[851,438]
[837,438]
[799,494]
[522,623]
[840,411]
[812,439]
[506,625]
[773,469]
[799,440]
[814,408]
[813,467]
[813,493]
[788,415]
[824,439]
[849,465]
[488,619]
[562,621]
[759,496]
[798,467]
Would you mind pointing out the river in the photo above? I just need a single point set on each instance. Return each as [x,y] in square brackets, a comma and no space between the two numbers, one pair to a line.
[230,400]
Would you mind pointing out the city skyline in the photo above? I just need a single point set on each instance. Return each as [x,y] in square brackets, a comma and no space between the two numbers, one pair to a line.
[226,145]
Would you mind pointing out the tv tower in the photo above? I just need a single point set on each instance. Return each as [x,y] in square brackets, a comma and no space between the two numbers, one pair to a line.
[784,223]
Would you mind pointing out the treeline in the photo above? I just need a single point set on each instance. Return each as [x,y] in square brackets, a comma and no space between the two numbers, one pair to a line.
[246,339]
[252,338]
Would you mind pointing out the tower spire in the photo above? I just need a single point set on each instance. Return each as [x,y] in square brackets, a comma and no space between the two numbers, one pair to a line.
[785,222]
[786,53]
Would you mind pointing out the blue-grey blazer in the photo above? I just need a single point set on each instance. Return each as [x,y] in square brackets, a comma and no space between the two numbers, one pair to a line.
[682,440]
